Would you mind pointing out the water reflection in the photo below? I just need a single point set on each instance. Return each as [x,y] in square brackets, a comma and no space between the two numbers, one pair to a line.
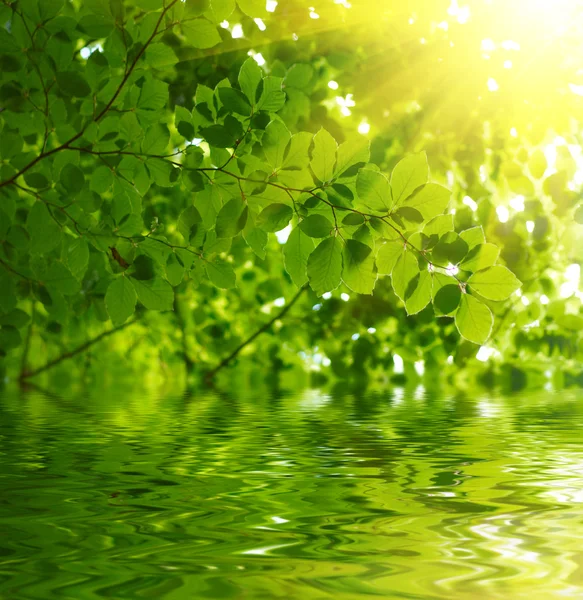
[312,495]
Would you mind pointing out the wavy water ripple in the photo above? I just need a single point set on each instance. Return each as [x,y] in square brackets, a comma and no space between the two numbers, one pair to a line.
[299,496]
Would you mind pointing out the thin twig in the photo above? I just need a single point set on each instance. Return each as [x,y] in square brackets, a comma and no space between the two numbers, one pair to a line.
[12,270]
[210,375]
[78,350]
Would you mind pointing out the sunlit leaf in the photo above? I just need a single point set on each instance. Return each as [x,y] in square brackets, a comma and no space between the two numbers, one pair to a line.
[405,269]
[120,300]
[324,266]
[296,251]
[474,320]
[409,173]
[494,283]
[359,272]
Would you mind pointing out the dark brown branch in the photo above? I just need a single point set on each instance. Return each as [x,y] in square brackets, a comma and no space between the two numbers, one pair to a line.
[9,268]
[78,350]
[210,375]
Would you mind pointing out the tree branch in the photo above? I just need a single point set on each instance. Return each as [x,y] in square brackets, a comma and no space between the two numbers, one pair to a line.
[9,268]
[210,375]
[103,112]
[78,350]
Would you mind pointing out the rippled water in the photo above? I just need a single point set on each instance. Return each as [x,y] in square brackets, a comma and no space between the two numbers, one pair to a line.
[307,496]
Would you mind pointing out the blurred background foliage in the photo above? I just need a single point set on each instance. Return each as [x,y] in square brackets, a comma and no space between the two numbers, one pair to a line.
[491,90]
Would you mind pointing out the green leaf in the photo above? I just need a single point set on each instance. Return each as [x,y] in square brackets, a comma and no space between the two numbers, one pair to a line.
[359,272]
[430,200]
[297,152]
[405,269]
[221,274]
[72,179]
[275,141]
[101,180]
[408,175]
[449,249]
[121,208]
[474,320]
[480,257]
[296,251]
[388,255]
[160,56]
[45,234]
[373,190]
[578,215]
[439,225]
[324,266]
[154,294]
[220,10]
[156,139]
[73,84]
[256,238]
[174,270]
[208,203]
[494,283]
[446,298]
[352,152]
[418,294]
[219,136]
[38,181]
[17,318]
[78,257]
[190,226]
[235,101]
[353,219]
[252,8]
[130,127]
[272,97]
[408,214]
[48,9]
[299,75]
[154,95]
[61,279]
[323,158]
[250,76]
[316,226]
[274,217]
[120,300]
[473,236]
[200,33]
[231,218]
[143,266]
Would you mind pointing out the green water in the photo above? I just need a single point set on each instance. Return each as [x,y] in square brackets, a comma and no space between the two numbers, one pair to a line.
[303,496]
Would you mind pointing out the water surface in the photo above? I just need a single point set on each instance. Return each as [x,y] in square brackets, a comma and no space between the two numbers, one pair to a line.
[307,496]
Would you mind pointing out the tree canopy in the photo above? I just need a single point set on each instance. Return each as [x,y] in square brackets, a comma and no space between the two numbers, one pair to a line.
[343,188]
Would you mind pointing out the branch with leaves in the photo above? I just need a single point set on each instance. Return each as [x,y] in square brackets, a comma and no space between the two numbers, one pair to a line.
[114,190]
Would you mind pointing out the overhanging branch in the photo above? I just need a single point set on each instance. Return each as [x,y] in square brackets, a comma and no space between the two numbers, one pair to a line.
[72,353]
[211,374]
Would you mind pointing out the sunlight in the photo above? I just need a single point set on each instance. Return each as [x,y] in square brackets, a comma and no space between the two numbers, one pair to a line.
[493,85]
[364,128]
[399,365]
[555,13]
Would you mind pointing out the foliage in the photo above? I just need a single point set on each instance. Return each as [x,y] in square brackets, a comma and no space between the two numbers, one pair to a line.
[149,165]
